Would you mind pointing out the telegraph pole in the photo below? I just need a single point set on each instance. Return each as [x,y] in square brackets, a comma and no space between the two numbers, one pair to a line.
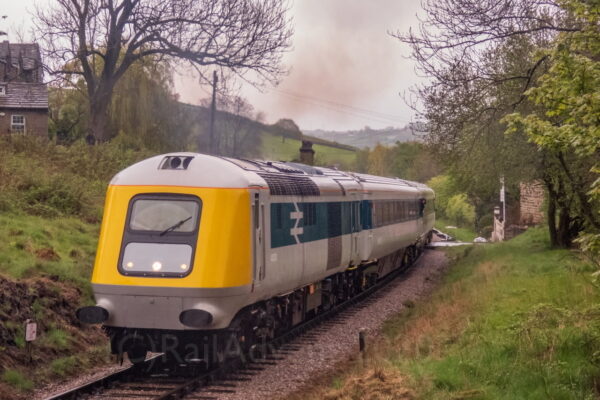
[213,144]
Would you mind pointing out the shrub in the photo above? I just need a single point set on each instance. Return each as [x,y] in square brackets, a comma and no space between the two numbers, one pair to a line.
[459,211]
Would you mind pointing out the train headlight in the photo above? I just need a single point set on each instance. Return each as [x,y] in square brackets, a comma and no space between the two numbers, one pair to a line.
[156,259]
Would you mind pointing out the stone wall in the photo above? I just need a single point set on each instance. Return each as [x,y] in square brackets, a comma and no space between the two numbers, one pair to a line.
[532,198]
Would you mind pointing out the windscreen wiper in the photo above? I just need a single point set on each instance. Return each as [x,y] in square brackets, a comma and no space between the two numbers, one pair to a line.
[173,227]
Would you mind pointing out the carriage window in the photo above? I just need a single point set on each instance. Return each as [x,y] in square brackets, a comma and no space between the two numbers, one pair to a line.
[168,215]
[310,214]
[277,215]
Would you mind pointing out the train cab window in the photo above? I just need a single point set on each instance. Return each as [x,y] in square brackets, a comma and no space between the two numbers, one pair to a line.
[164,215]
[161,235]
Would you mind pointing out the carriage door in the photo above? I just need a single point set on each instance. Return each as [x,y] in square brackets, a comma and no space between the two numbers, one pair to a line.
[355,229]
[350,217]
[258,239]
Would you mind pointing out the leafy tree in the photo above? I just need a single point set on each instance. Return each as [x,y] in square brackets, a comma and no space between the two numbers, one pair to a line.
[362,160]
[444,189]
[67,116]
[143,107]
[566,123]
[484,59]
[414,161]
[451,202]
[380,161]
[459,211]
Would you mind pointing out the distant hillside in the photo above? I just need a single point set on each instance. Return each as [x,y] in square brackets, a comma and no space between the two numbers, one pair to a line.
[276,142]
[367,137]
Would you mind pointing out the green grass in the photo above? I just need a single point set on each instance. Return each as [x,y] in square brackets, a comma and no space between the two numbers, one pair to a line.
[17,380]
[32,245]
[58,339]
[273,147]
[459,233]
[64,366]
[512,321]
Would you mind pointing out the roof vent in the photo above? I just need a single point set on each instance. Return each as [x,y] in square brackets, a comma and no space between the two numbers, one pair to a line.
[175,162]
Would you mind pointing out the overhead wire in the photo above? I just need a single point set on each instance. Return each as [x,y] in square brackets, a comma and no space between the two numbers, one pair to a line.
[363,113]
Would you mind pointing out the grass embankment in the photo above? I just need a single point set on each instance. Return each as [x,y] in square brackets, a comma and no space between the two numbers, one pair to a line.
[513,320]
[51,199]
[287,150]
[459,233]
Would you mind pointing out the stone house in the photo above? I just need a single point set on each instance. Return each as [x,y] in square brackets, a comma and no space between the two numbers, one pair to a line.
[23,94]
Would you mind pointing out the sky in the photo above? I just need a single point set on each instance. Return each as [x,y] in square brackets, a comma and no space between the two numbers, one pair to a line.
[346,71]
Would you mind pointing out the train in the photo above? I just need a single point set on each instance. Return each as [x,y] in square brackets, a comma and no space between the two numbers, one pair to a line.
[198,249]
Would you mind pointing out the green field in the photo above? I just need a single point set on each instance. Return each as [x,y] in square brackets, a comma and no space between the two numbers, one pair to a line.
[513,320]
[273,147]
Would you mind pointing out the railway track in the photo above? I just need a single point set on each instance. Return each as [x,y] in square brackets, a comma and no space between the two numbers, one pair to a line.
[152,380]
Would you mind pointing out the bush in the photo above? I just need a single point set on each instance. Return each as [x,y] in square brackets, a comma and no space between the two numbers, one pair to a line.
[486,231]
[459,211]
[444,189]
[486,221]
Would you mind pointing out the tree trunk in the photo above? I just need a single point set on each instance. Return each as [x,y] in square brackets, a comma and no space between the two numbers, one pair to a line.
[580,192]
[98,129]
[564,228]
[552,218]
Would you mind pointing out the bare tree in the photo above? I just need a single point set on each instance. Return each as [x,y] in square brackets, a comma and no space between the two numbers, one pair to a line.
[466,46]
[240,133]
[459,33]
[100,39]
[481,56]
[237,132]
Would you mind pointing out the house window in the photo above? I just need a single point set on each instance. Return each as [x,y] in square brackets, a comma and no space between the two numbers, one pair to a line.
[2,90]
[17,124]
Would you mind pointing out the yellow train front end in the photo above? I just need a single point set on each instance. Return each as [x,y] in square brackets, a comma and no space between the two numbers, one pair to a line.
[173,262]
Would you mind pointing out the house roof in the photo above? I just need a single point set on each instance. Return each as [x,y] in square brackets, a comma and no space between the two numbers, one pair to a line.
[29,53]
[24,95]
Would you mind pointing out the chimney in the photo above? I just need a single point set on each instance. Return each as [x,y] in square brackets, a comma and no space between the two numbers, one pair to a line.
[307,154]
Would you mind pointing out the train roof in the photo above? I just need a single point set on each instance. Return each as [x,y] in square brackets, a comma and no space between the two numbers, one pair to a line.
[283,178]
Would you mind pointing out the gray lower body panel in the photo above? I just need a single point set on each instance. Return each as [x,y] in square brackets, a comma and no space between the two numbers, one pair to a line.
[146,307]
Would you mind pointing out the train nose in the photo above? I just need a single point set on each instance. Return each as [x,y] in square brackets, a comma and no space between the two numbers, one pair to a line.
[92,314]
